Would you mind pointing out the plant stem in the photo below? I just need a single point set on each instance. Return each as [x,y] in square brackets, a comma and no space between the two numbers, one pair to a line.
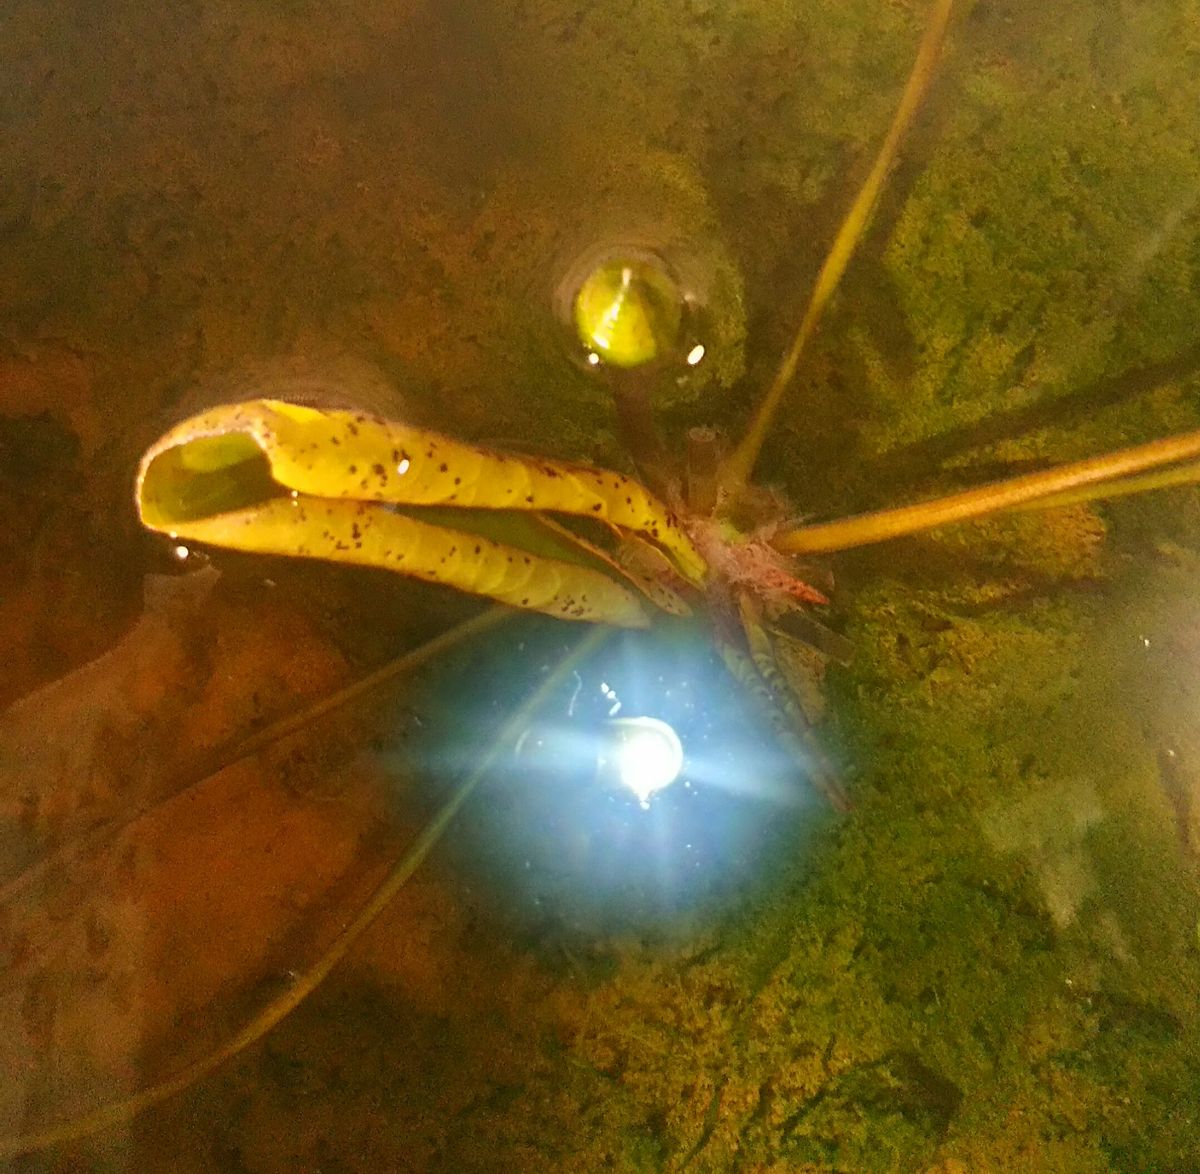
[741,463]
[1112,472]
[632,393]
[1184,474]
[700,482]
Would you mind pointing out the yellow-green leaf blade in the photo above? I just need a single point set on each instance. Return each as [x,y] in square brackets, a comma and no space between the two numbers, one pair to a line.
[334,453]
[372,534]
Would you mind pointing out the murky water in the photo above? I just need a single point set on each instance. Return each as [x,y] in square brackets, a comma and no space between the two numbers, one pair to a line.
[990,962]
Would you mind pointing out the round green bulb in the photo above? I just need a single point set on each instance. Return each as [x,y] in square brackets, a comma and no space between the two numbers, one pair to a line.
[628,312]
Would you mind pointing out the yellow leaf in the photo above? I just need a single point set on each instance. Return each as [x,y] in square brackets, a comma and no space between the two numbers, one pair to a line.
[282,478]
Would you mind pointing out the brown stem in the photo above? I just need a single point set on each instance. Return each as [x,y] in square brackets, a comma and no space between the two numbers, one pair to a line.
[639,433]
[741,463]
[700,487]
[1110,471]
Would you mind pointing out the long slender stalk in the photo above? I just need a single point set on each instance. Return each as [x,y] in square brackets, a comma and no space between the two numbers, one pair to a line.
[1113,472]
[121,1112]
[1187,473]
[741,462]
[638,429]
[701,480]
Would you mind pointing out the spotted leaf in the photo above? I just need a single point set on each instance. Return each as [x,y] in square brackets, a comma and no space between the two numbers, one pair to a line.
[282,478]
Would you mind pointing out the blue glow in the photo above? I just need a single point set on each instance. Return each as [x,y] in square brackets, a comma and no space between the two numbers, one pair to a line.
[647,788]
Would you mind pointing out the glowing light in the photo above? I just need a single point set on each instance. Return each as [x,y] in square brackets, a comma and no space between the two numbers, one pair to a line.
[402,467]
[695,354]
[593,359]
[180,552]
[611,694]
[648,755]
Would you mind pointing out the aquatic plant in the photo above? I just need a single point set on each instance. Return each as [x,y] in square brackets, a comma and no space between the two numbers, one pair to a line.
[730,561]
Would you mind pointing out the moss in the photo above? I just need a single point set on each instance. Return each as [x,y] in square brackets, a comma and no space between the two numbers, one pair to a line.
[992,958]
[1054,547]
[1046,243]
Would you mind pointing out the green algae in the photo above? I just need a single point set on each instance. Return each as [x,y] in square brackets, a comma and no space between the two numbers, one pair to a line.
[1050,239]
[994,956]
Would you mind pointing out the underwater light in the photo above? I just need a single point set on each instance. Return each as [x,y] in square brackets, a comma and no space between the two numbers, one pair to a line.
[645,789]
[647,754]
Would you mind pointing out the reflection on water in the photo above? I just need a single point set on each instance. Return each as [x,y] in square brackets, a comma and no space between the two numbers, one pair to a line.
[560,843]
[990,963]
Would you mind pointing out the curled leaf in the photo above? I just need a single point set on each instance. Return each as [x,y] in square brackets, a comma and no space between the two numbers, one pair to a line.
[281,478]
